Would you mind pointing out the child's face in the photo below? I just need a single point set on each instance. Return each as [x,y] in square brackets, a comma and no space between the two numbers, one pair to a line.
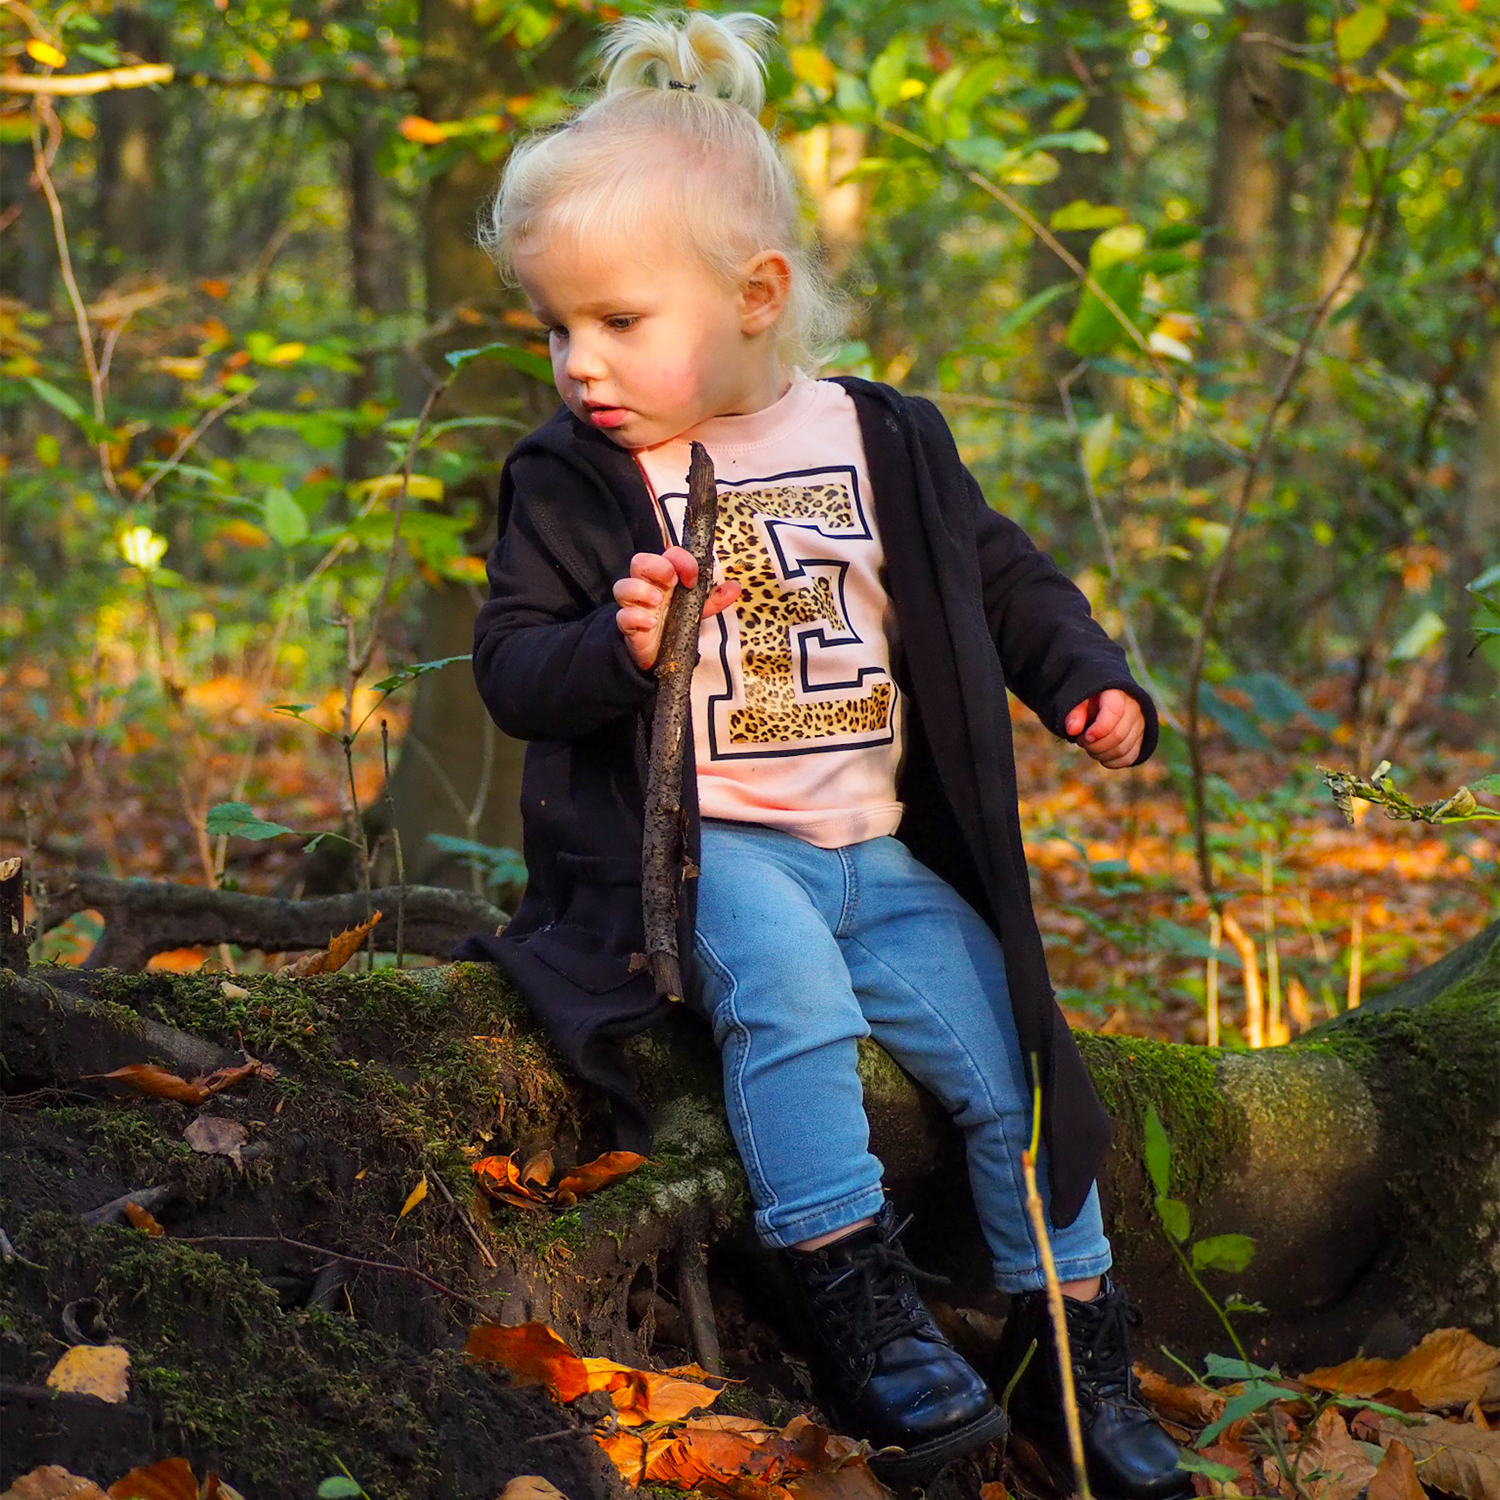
[645,348]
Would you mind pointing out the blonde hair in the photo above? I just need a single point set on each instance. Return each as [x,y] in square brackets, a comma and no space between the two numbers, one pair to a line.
[676,130]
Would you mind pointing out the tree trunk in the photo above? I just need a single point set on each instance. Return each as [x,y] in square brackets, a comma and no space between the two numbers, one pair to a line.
[457,774]
[375,279]
[132,126]
[1256,98]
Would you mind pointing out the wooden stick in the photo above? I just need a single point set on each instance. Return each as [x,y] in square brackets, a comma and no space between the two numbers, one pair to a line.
[1211,978]
[13,944]
[1255,1033]
[1054,1296]
[661,846]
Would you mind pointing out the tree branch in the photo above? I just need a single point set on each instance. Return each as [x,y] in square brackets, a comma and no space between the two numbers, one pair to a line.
[145,917]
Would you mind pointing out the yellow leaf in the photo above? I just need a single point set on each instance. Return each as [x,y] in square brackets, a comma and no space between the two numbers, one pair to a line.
[90,1370]
[387,486]
[413,1198]
[45,53]
[286,354]
[811,66]
[181,368]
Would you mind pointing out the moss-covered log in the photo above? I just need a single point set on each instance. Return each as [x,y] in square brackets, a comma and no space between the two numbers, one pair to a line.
[1362,1159]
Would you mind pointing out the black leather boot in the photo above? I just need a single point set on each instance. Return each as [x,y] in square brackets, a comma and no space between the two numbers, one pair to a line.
[1128,1455]
[886,1373]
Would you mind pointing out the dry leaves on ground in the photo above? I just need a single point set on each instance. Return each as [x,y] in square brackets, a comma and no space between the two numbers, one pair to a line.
[653,1437]
[1328,1464]
[526,1186]
[1344,1450]
[210,1135]
[1450,1367]
[160,1083]
[143,1219]
[171,1479]
[331,959]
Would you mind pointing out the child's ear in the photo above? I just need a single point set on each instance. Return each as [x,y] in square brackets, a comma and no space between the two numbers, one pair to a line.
[765,285]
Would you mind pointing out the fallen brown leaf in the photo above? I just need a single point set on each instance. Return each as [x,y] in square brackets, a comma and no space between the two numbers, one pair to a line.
[538,1171]
[1188,1403]
[147,1078]
[1232,1452]
[1329,1464]
[1396,1478]
[331,959]
[1450,1367]
[499,1178]
[53,1482]
[1454,1456]
[140,1218]
[533,1354]
[101,1370]
[171,1479]
[531,1487]
[596,1174]
[210,1135]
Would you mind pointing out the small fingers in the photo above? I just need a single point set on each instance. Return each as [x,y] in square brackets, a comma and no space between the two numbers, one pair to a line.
[658,567]
[720,597]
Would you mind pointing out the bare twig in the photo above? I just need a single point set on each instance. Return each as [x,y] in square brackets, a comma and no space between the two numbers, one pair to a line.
[1220,571]
[353,1260]
[390,804]
[188,443]
[696,1301]
[661,847]
[463,1218]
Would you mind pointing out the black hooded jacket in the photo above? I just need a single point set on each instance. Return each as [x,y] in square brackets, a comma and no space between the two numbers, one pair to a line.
[979,610]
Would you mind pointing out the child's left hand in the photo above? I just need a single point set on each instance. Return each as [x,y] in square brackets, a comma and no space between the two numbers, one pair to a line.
[1116,727]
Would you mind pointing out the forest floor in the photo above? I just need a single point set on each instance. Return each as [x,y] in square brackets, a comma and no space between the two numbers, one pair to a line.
[1113,872]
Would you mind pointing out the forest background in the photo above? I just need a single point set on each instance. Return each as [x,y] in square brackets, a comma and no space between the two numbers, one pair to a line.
[1210,295]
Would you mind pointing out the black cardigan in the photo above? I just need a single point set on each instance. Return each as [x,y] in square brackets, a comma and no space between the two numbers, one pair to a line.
[979,609]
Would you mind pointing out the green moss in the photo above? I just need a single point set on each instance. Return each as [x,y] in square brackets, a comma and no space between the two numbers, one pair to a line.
[270,1398]
[1132,1073]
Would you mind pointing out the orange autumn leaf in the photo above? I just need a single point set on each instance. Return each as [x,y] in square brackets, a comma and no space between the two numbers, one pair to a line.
[1450,1367]
[533,1354]
[147,1078]
[1182,1403]
[634,1453]
[226,1078]
[331,959]
[596,1174]
[499,1178]
[422,132]
[171,1479]
[141,1218]
[642,1396]
[1396,1478]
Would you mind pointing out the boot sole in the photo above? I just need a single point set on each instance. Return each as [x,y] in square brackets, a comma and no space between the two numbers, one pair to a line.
[914,1465]
[1060,1478]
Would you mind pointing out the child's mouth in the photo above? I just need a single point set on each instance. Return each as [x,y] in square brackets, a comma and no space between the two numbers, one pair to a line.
[607,416]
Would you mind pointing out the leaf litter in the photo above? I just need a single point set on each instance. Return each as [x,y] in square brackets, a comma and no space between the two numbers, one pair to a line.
[661,1432]
[1396,1429]
[526,1186]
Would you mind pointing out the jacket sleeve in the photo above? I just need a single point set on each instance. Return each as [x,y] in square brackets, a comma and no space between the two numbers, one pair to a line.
[1053,652]
[549,660]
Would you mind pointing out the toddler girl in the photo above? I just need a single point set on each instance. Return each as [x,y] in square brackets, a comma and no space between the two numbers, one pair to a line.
[854,812]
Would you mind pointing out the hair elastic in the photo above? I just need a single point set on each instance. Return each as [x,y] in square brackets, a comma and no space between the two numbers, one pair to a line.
[673,83]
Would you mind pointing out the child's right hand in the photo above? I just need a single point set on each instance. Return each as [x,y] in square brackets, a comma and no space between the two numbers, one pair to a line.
[644,597]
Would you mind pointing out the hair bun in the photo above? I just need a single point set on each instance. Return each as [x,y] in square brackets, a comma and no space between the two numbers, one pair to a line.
[719,56]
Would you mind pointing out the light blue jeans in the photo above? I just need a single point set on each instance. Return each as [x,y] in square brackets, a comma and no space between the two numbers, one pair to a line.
[800,952]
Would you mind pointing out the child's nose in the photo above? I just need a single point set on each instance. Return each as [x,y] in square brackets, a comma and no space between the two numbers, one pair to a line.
[584,361]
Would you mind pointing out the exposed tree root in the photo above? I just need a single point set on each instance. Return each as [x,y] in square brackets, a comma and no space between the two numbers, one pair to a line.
[284,1319]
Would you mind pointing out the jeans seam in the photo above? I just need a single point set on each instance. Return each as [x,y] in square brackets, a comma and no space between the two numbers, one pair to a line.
[753,1167]
[851,894]
[781,1234]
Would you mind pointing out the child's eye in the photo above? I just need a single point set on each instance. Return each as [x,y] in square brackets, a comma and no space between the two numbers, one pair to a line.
[557,331]
[621,321]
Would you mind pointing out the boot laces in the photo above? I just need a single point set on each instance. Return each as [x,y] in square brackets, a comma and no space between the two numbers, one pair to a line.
[872,1296]
[1100,1342]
